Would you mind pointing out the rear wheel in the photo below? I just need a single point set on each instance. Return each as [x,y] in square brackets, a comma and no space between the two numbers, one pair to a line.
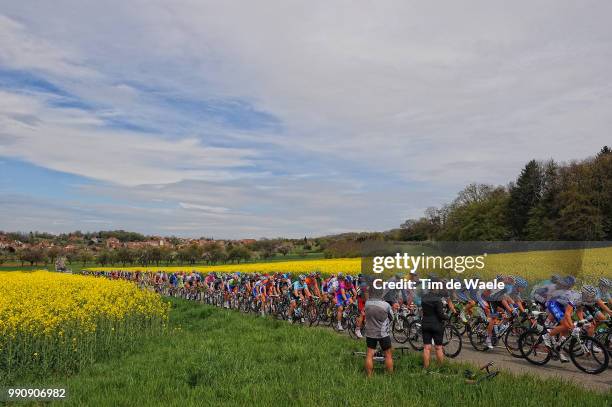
[452,341]
[415,335]
[312,314]
[400,330]
[511,340]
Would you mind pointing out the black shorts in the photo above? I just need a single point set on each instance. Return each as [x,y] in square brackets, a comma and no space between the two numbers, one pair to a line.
[436,335]
[591,309]
[385,343]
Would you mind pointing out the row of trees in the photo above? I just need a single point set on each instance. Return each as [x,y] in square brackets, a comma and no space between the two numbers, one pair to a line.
[211,253]
[548,201]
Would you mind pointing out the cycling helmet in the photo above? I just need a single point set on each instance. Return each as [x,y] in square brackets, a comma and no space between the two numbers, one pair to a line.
[302,277]
[567,282]
[399,275]
[349,279]
[555,278]
[588,291]
[284,275]
[605,283]
[520,282]
[340,275]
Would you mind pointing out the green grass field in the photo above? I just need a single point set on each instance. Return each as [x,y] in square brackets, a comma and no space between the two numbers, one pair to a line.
[212,356]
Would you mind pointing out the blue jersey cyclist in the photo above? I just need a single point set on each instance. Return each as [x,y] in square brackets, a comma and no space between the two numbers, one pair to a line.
[299,291]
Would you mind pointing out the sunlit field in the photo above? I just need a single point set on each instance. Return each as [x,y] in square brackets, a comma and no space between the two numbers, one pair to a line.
[51,322]
[587,265]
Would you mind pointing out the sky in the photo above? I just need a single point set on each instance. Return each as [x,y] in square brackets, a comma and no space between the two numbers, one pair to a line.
[241,119]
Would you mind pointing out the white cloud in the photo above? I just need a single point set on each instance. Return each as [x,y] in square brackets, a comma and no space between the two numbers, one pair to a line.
[434,95]
[74,141]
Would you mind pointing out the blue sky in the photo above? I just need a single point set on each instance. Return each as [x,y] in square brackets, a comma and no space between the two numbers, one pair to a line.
[235,119]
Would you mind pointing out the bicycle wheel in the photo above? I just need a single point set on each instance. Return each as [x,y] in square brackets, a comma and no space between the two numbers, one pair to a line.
[415,335]
[533,348]
[325,314]
[312,314]
[452,341]
[399,330]
[511,340]
[588,354]
[458,324]
[478,336]
[605,337]
[351,326]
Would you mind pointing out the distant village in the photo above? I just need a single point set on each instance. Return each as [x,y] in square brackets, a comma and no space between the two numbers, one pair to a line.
[129,248]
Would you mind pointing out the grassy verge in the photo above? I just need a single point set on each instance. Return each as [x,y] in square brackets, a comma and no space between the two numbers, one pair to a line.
[217,357]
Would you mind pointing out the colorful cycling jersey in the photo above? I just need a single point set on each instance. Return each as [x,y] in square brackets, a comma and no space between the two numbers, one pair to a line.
[498,294]
[605,296]
[565,297]
[332,285]
[297,286]
[541,292]
[362,289]
[311,282]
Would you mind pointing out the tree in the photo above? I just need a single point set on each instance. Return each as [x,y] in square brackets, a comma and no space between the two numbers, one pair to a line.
[213,252]
[85,256]
[524,196]
[285,248]
[579,218]
[53,253]
[191,254]
[32,255]
[155,255]
[481,219]
[104,257]
[266,247]
[124,256]
[542,223]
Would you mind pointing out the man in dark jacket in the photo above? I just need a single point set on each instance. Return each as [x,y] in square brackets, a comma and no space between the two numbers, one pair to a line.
[432,326]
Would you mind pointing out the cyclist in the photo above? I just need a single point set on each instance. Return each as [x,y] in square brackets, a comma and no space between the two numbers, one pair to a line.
[498,302]
[299,290]
[362,297]
[604,290]
[343,296]
[313,281]
[592,305]
[561,304]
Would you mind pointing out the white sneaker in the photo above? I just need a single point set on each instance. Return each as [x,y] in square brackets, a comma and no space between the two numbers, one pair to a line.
[547,340]
[462,317]
[488,342]
[358,333]
[563,358]
[290,320]
[340,327]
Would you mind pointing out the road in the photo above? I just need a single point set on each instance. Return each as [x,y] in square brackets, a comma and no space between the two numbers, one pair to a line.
[504,361]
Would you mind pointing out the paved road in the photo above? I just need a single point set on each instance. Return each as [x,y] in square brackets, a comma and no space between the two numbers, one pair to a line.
[503,360]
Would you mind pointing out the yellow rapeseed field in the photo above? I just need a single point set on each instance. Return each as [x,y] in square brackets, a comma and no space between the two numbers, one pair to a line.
[587,264]
[329,266]
[59,322]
